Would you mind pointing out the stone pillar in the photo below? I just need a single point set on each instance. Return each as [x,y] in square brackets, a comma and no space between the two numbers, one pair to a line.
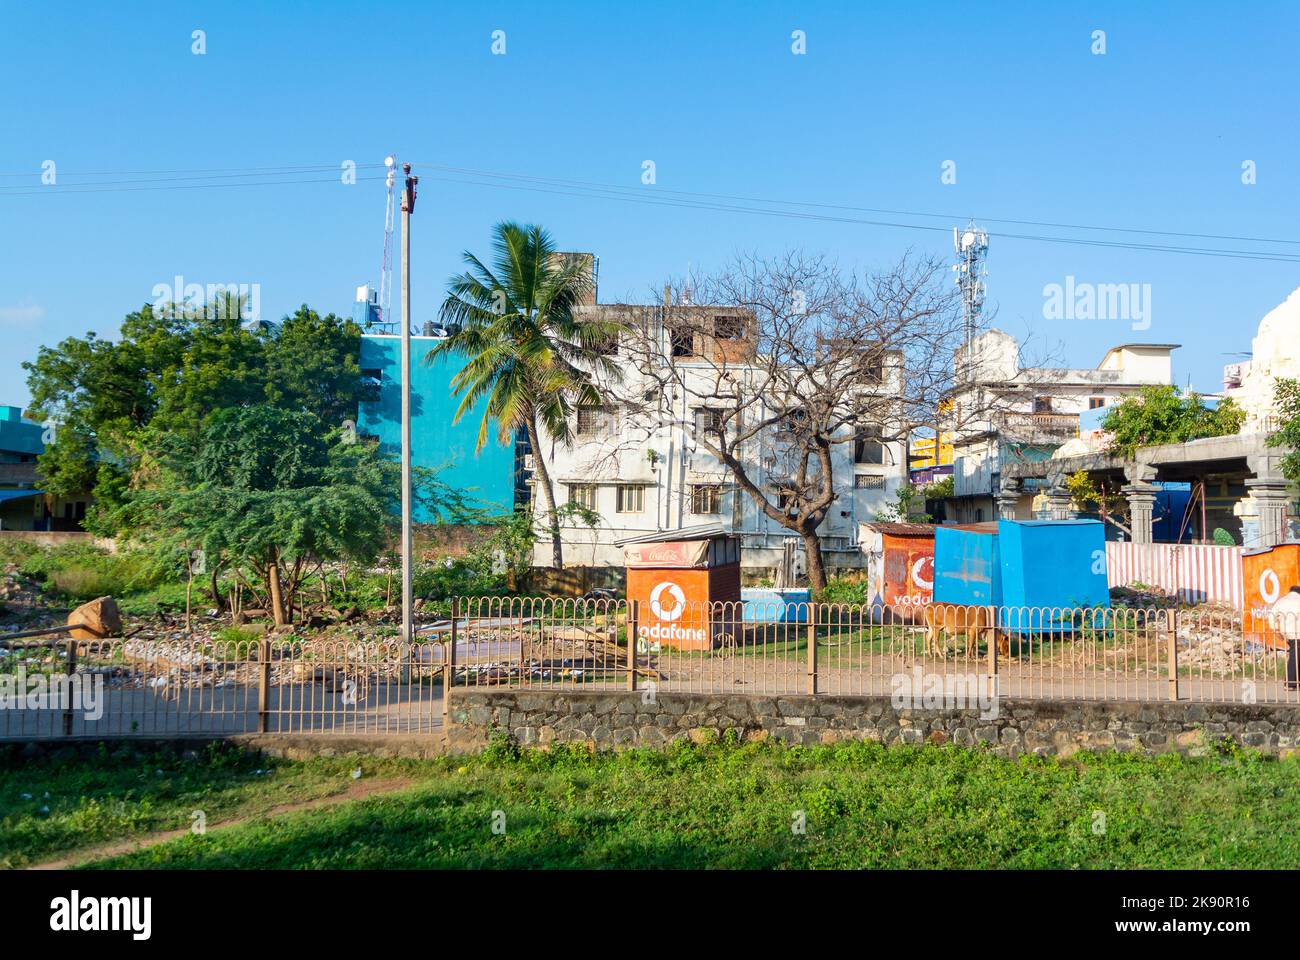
[1141,507]
[1060,505]
[1268,509]
[1008,497]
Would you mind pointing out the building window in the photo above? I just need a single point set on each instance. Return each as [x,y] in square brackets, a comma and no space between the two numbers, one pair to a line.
[868,481]
[1095,402]
[595,421]
[785,500]
[583,495]
[867,446]
[631,498]
[708,420]
[729,328]
[1042,404]
[681,340]
[706,498]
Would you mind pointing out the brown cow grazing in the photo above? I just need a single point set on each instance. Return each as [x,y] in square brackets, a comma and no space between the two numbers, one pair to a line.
[958,619]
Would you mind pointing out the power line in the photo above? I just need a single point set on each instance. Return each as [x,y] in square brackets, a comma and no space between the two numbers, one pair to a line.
[791,214]
[133,173]
[72,189]
[949,217]
[163,180]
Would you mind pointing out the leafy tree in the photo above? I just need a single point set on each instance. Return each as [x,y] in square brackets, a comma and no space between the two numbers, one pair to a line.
[171,371]
[1162,414]
[1105,496]
[1286,396]
[272,491]
[528,353]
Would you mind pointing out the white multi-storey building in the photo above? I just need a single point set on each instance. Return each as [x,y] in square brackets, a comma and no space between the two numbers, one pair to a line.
[641,468]
[1001,412]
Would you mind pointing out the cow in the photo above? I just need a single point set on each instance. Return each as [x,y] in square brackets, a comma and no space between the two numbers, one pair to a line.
[955,618]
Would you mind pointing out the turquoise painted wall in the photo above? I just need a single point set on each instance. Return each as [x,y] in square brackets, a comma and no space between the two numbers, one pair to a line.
[18,436]
[435,442]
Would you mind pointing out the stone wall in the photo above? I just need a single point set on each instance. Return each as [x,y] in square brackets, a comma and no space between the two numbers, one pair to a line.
[615,720]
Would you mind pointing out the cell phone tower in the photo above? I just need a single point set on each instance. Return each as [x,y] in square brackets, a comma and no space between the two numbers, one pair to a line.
[386,271]
[972,247]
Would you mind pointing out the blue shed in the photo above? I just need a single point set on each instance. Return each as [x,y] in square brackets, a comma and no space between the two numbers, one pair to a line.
[1053,563]
[966,565]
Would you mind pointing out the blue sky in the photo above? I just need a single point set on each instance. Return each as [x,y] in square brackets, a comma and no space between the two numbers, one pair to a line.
[1150,135]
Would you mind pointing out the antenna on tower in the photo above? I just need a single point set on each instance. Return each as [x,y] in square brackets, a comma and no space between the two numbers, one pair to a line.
[971,246]
[386,271]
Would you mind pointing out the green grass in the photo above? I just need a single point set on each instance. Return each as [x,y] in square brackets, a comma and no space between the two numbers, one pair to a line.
[729,806]
[122,794]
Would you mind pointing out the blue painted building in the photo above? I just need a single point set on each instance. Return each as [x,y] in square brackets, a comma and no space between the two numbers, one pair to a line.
[488,476]
[22,506]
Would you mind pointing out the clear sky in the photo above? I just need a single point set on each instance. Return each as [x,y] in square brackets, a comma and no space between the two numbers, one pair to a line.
[1152,134]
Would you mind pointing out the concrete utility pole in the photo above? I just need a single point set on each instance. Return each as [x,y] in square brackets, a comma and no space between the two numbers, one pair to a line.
[408,207]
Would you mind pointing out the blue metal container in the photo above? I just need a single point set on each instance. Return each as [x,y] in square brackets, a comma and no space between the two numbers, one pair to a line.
[967,569]
[766,605]
[1053,563]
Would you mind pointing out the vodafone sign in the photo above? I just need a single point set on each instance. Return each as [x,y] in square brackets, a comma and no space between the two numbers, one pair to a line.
[667,601]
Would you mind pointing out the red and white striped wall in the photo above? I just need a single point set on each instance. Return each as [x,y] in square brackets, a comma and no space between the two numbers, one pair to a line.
[1199,573]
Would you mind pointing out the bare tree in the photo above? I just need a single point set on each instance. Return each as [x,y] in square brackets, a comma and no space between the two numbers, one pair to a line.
[798,360]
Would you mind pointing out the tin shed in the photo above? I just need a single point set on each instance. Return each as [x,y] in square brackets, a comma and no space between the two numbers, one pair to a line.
[686,584]
[967,567]
[1053,563]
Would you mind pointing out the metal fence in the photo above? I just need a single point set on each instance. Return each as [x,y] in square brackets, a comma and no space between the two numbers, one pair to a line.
[1104,653]
[139,687]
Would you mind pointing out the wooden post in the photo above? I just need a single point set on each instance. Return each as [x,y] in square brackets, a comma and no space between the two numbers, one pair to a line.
[70,669]
[263,685]
[631,644]
[1173,653]
[812,649]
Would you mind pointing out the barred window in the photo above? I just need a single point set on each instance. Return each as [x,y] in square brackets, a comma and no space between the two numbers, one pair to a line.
[631,498]
[583,494]
[706,498]
[596,421]
[868,481]
[708,420]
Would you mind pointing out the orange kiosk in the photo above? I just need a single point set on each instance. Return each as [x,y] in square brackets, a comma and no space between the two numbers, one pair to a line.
[1265,576]
[676,577]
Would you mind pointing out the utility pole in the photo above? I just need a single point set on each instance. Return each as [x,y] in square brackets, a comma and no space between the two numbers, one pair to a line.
[408,626]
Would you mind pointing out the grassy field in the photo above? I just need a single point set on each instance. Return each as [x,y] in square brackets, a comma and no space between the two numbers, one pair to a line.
[862,805]
[50,807]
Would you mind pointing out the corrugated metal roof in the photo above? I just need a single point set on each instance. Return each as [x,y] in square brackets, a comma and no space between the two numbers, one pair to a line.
[705,531]
[901,529]
[19,494]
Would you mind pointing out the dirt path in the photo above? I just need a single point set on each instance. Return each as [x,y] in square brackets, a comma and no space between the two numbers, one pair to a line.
[358,790]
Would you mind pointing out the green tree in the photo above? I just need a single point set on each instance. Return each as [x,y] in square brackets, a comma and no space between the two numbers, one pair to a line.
[272,491]
[1162,414]
[1286,397]
[172,369]
[528,353]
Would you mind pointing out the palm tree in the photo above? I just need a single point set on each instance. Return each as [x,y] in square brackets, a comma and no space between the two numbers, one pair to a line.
[526,352]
